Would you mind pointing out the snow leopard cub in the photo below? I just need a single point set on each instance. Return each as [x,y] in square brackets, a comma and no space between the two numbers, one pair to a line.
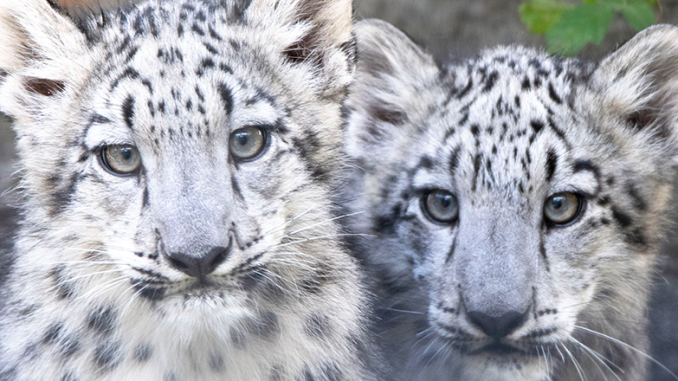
[176,161]
[517,202]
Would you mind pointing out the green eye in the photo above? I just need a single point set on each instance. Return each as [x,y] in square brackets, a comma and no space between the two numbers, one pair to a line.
[563,208]
[247,143]
[441,206]
[120,160]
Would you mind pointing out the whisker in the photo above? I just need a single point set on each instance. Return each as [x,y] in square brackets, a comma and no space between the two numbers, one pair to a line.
[612,339]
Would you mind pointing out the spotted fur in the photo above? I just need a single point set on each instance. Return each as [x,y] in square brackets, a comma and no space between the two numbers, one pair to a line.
[503,132]
[93,294]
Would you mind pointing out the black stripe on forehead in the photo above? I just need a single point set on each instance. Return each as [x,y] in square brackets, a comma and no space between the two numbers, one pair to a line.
[128,111]
[226,95]
[551,164]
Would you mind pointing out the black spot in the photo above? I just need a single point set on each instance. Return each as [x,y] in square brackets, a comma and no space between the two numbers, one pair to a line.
[62,283]
[466,89]
[206,63]
[210,48]
[425,162]
[265,326]
[107,355]
[553,95]
[542,251]
[475,129]
[526,83]
[128,73]
[128,111]
[537,125]
[317,326]
[636,237]
[196,28]
[490,81]
[213,33]
[148,85]
[217,363]
[226,97]
[476,169]
[236,187]
[142,353]
[551,164]
[623,219]
[52,333]
[145,198]
[102,319]
[454,161]
[68,346]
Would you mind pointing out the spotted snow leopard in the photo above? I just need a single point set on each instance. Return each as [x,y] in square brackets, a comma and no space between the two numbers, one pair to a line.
[176,161]
[516,202]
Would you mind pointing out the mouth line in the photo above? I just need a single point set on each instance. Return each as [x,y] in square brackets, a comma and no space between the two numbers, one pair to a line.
[499,349]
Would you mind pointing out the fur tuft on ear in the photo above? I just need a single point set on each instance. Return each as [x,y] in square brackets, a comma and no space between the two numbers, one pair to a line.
[391,76]
[40,52]
[640,83]
[322,36]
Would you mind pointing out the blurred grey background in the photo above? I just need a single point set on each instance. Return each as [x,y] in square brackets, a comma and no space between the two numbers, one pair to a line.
[455,28]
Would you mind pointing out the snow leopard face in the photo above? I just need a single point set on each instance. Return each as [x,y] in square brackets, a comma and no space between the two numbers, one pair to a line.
[177,139]
[516,201]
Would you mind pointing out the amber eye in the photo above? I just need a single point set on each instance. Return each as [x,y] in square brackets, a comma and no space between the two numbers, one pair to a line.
[563,208]
[121,160]
[440,206]
[247,143]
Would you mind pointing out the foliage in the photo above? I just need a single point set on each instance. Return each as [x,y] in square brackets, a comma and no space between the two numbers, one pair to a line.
[569,27]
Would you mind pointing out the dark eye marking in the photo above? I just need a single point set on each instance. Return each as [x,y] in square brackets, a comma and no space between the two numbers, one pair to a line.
[551,164]
[226,96]
[128,111]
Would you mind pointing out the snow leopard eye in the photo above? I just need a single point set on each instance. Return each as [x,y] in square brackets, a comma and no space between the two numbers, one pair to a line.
[440,206]
[120,160]
[248,143]
[563,208]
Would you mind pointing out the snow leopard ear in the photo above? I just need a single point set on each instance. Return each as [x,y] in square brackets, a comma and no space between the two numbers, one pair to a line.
[392,77]
[41,52]
[640,82]
[317,33]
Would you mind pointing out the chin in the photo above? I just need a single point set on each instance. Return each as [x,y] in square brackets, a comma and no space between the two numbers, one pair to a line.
[504,367]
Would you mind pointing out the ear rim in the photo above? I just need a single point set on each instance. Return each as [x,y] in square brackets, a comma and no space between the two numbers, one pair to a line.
[385,97]
[34,33]
[637,77]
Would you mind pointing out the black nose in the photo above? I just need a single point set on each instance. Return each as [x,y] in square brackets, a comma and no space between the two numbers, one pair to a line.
[199,266]
[498,327]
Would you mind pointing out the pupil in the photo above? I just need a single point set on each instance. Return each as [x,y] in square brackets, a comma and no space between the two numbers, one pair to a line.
[126,154]
[444,201]
[558,203]
[242,139]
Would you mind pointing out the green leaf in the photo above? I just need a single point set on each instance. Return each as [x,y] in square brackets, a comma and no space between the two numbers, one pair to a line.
[541,15]
[587,23]
[639,14]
